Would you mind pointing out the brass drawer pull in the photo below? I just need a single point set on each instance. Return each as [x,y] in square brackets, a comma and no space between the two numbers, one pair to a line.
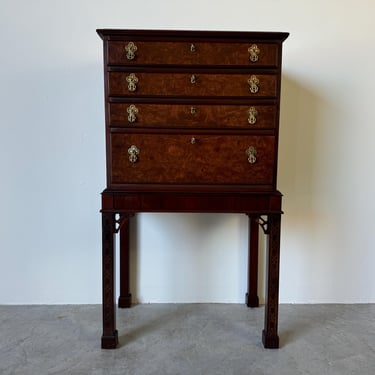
[253,82]
[193,141]
[193,110]
[132,113]
[251,154]
[193,79]
[192,48]
[254,53]
[133,152]
[132,82]
[130,50]
[253,113]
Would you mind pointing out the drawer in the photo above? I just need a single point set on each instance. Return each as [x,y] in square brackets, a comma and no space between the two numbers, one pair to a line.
[131,52]
[189,84]
[135,115]
[192,159]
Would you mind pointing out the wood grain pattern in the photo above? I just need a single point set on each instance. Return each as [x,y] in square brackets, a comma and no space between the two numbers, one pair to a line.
[254,203]
[167,83]
[179,53]
[204,116]
[213,159]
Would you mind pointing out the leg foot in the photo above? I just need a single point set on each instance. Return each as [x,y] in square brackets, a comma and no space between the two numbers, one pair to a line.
[110,342]
[252,301]
[125,301]
[270,342]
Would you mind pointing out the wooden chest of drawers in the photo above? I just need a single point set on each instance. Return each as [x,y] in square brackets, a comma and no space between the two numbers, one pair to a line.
[192,122]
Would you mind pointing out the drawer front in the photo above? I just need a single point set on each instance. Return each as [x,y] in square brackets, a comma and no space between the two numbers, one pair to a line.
[137,115]
[191,84]
[192,159]
[131,52]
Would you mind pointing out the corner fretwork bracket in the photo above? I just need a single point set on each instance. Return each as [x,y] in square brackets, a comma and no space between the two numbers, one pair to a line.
[264,224]
[261,222]
[120,220]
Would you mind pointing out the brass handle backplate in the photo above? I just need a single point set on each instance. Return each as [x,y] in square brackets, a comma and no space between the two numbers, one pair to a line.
[253,113]
[130,50]
[254,53]
[193,79]
[251,153]
[253,82]
[132,81]
[132,113]
[133,152]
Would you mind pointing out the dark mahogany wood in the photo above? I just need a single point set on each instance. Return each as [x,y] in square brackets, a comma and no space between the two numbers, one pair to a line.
[270,336]
[193,131]
[252,204]
[125,298]
[110,336]
[252,299]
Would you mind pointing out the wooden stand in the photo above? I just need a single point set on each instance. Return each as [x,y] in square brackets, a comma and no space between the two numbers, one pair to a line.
[117,209]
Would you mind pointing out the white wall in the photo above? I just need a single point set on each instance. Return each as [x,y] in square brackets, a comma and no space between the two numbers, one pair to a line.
[52,156]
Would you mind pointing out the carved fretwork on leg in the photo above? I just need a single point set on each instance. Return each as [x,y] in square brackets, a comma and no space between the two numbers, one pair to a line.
[125,297]
[263,224]
[110,335]
[270,336]
[252,299]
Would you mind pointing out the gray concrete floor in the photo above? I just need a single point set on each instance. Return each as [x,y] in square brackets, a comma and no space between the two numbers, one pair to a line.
[187,339]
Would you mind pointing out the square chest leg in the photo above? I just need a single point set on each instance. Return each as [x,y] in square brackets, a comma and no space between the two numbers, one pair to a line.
[270,336]
[110,335]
